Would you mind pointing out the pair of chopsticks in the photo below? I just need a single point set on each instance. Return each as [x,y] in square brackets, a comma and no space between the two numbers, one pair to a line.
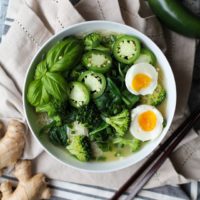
[149,168]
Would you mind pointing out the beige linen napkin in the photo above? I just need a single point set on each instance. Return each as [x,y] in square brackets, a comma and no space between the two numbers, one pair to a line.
[36,21]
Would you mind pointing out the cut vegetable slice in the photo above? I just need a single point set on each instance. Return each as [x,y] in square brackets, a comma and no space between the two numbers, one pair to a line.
[146,56]
[97,61]
[127,49]
[79,95]
[94,81]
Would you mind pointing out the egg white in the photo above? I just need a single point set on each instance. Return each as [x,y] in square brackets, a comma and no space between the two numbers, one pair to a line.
[142,68]
[135,128]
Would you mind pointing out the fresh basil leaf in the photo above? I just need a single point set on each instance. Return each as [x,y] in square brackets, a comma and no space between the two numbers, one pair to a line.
[37,93]
[41,70]
[56,85]
[65,54]
[49,108]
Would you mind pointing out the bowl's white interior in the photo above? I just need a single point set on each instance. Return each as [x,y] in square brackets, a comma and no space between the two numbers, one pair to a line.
[168,81]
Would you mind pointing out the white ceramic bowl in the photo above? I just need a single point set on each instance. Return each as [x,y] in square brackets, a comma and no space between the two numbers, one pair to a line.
[61,154]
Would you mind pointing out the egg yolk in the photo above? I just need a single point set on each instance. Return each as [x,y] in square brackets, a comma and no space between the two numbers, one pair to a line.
[141,81]
[147,120]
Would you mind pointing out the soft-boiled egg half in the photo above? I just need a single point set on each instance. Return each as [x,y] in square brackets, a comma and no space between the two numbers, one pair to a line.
[146,122]
[141,79]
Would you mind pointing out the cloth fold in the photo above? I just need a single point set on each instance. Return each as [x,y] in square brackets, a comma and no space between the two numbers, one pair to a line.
[36,21]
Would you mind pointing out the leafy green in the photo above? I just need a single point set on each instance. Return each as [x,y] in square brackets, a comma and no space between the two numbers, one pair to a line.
[41,70]
[114,91]
[75,73]
[37,94]
[119,122]
[134,143]
[65,54]
[100,133]
[129,99]
[58,135]
[110,103]
[56,85]
[49,108]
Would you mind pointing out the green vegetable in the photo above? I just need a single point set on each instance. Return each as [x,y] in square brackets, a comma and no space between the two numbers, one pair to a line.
[109,40]
[74,74]
[53,108]
[134,143]
[95,82]
[37,93]
[156,98]
[78,94]
[97,61]
[58,135]
[45,86]
[127,49]
[87,115]
[99,134]
[110,101]
[64,54]
[119,122]
[56,85]
[114,90]
[129,99]
[176,17]
[146,56]
[80,147]
[93,42]
[49,108]
[41,70]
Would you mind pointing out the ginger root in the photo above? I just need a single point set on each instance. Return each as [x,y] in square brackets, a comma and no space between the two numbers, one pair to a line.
[1,129]
[29,187]
[11,144]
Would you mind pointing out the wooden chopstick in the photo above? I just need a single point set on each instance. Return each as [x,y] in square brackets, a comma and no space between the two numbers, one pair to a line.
[148,169]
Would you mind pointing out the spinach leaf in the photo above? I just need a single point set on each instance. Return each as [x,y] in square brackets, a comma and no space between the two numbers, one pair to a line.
[65,54]
[56,85]
[110,103]
[102,136]
[99,132]
[37,93]
[58,135]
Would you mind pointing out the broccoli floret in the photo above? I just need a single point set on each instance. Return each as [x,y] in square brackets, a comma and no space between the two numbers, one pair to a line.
[80,147]
[134,144]
[92,40]
[156,98]
[119,122]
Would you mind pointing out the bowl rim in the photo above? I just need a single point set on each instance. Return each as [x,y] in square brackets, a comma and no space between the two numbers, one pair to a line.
[128,164]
